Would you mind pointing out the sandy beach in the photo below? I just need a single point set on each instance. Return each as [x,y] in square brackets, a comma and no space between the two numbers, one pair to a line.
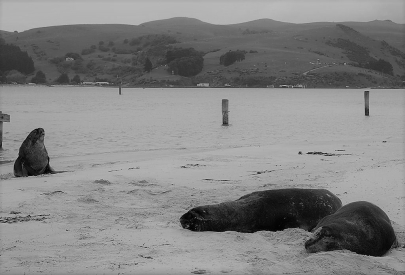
[119,213]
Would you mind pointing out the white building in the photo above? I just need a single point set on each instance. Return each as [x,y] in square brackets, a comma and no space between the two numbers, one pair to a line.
[203,85]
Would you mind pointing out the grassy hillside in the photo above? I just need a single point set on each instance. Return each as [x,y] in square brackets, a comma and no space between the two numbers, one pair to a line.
[316,54]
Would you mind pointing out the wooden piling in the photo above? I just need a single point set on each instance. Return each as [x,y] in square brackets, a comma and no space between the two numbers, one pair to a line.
[3,118]
[225,112]
[366,102]
[119,89]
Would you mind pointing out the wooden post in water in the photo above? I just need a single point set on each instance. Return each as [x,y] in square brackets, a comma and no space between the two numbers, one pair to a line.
[3,118]
[366,102]
[225,112]
[119,85]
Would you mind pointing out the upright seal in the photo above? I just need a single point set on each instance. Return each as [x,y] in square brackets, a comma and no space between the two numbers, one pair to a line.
[361,227]
[33,158]
[271,210]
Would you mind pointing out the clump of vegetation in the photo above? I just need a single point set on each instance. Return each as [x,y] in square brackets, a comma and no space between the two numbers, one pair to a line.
[361,56]
[380,65]
[63,79]
[231,57]
[76,79]
[184,62]
[39,78]
[14,76]
[352,50]
[153,40]
[75,56]
[148,65]
[87,51]
[348,30]
[103,48]
[12,58]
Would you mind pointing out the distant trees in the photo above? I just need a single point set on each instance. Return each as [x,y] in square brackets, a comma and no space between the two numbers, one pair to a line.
[231,57]
[12,58]
[76,79]
[39,78]
[63,79]
[185,62]
[147,67]
[380,65]
[187,66]
[15,76]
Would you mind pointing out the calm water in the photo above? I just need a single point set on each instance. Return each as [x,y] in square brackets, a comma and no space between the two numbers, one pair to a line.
[90,120]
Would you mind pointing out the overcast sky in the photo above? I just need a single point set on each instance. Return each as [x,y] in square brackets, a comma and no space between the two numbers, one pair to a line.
[20,15]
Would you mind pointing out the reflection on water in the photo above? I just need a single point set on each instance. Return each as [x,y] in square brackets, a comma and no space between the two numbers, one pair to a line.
[89,120]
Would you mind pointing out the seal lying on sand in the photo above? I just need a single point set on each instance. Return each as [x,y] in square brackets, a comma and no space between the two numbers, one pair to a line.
[33,158]
[361,227]
[271,210]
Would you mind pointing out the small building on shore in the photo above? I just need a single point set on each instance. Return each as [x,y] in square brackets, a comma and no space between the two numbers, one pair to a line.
[203,85]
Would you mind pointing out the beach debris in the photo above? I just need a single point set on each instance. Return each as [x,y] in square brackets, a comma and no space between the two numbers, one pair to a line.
[215,180]
[192,165]
[199,271]
[102,181]
[145,257]
[87,199]
[326,154]
[15,212]
[26,218]
[53,193]
[262,172]
[130,168]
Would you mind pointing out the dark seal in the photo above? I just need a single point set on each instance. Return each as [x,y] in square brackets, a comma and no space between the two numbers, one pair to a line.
[33,158]
[361,227]
[271,210]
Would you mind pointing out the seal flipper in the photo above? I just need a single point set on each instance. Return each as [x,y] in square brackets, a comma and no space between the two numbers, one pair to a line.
[19,169]
[50,170]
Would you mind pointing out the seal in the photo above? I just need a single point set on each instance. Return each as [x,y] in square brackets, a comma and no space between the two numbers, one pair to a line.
[33,158]
[360,227]
[271,210]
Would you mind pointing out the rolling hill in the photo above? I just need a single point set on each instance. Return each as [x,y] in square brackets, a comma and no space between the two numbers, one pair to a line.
[321,54]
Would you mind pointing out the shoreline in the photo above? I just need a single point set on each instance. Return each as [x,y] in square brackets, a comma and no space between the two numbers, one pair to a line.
[197,87]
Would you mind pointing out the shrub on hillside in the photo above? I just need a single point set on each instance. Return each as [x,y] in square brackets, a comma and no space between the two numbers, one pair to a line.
[231,57]
[76,79]
[187,66]
[103,48]
[380,65]
[184,62]
[15,76]
[63,79]
[180,53]
[87,51]
[352,50]
[75,56]
[39,78]
[57,60]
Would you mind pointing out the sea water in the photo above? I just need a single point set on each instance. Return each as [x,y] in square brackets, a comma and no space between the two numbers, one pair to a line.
[91,120]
